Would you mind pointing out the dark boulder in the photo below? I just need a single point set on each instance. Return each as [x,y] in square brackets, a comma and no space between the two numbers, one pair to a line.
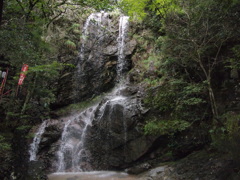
[36,171]
[138,168]
[114,141]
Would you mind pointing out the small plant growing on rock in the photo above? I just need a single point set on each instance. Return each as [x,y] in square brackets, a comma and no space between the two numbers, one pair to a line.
[70,45]
[165,127]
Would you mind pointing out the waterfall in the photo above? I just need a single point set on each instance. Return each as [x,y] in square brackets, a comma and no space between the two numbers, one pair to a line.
[60,153]
[79,151]
[72,153]
[95,25]
[95,19]
[37,139]
[123,29]
[90,19]
[96,30]
[72,141]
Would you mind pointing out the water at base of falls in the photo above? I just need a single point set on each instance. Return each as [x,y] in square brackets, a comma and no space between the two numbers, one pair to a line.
[94,175]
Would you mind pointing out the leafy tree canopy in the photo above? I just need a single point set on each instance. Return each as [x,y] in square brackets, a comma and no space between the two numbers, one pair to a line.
[140,8]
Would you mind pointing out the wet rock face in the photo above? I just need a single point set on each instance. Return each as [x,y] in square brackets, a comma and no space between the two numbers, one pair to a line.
[139,168]
[51,135]
[48,146]
[114,140]
[97,61]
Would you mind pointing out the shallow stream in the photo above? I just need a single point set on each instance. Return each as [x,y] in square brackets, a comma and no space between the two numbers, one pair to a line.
[94,175]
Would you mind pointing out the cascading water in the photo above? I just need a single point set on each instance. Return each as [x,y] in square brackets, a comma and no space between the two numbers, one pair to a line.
[72,150]
[100,47]
[90,77]
[72,153]
[123,29]
[95,19]
[60,153]
[72,141]
[37,139]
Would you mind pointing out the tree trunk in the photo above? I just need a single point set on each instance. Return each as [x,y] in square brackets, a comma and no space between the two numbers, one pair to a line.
[213,101]
[207,74]
[1,11]
[29,94]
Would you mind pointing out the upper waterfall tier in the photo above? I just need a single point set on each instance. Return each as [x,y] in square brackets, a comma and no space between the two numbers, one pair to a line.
[123,30]
[104,54]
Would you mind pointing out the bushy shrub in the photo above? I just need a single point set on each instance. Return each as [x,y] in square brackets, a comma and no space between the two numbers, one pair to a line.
[4,146]
[165,127]
[226,138]
[178,100]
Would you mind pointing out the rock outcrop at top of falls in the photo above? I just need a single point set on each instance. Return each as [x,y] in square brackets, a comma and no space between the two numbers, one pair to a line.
[96,64]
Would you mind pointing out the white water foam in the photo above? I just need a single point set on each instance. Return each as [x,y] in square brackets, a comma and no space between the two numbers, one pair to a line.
[36,141]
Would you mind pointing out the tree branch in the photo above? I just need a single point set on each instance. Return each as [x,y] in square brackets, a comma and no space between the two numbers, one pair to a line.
[21,6]
[1,11]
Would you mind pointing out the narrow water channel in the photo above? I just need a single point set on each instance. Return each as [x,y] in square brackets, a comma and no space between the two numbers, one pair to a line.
[94,175]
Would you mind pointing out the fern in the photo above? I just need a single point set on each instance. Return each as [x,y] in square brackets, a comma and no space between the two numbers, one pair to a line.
[70,45]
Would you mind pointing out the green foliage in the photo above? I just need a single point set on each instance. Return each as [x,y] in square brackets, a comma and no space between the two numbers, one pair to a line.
[162,100]
[192,48]
[4,146]
[75,28]
[42,76]
[99,5]
[134,8]
[233,62]
[152,62]
[78,107]
[165,127]
[71,45]
[115,12]
[226,138]
[23,127]
[151,82]
[21,45]
[178,99]
[137,8]
[150,67]
[164,7]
